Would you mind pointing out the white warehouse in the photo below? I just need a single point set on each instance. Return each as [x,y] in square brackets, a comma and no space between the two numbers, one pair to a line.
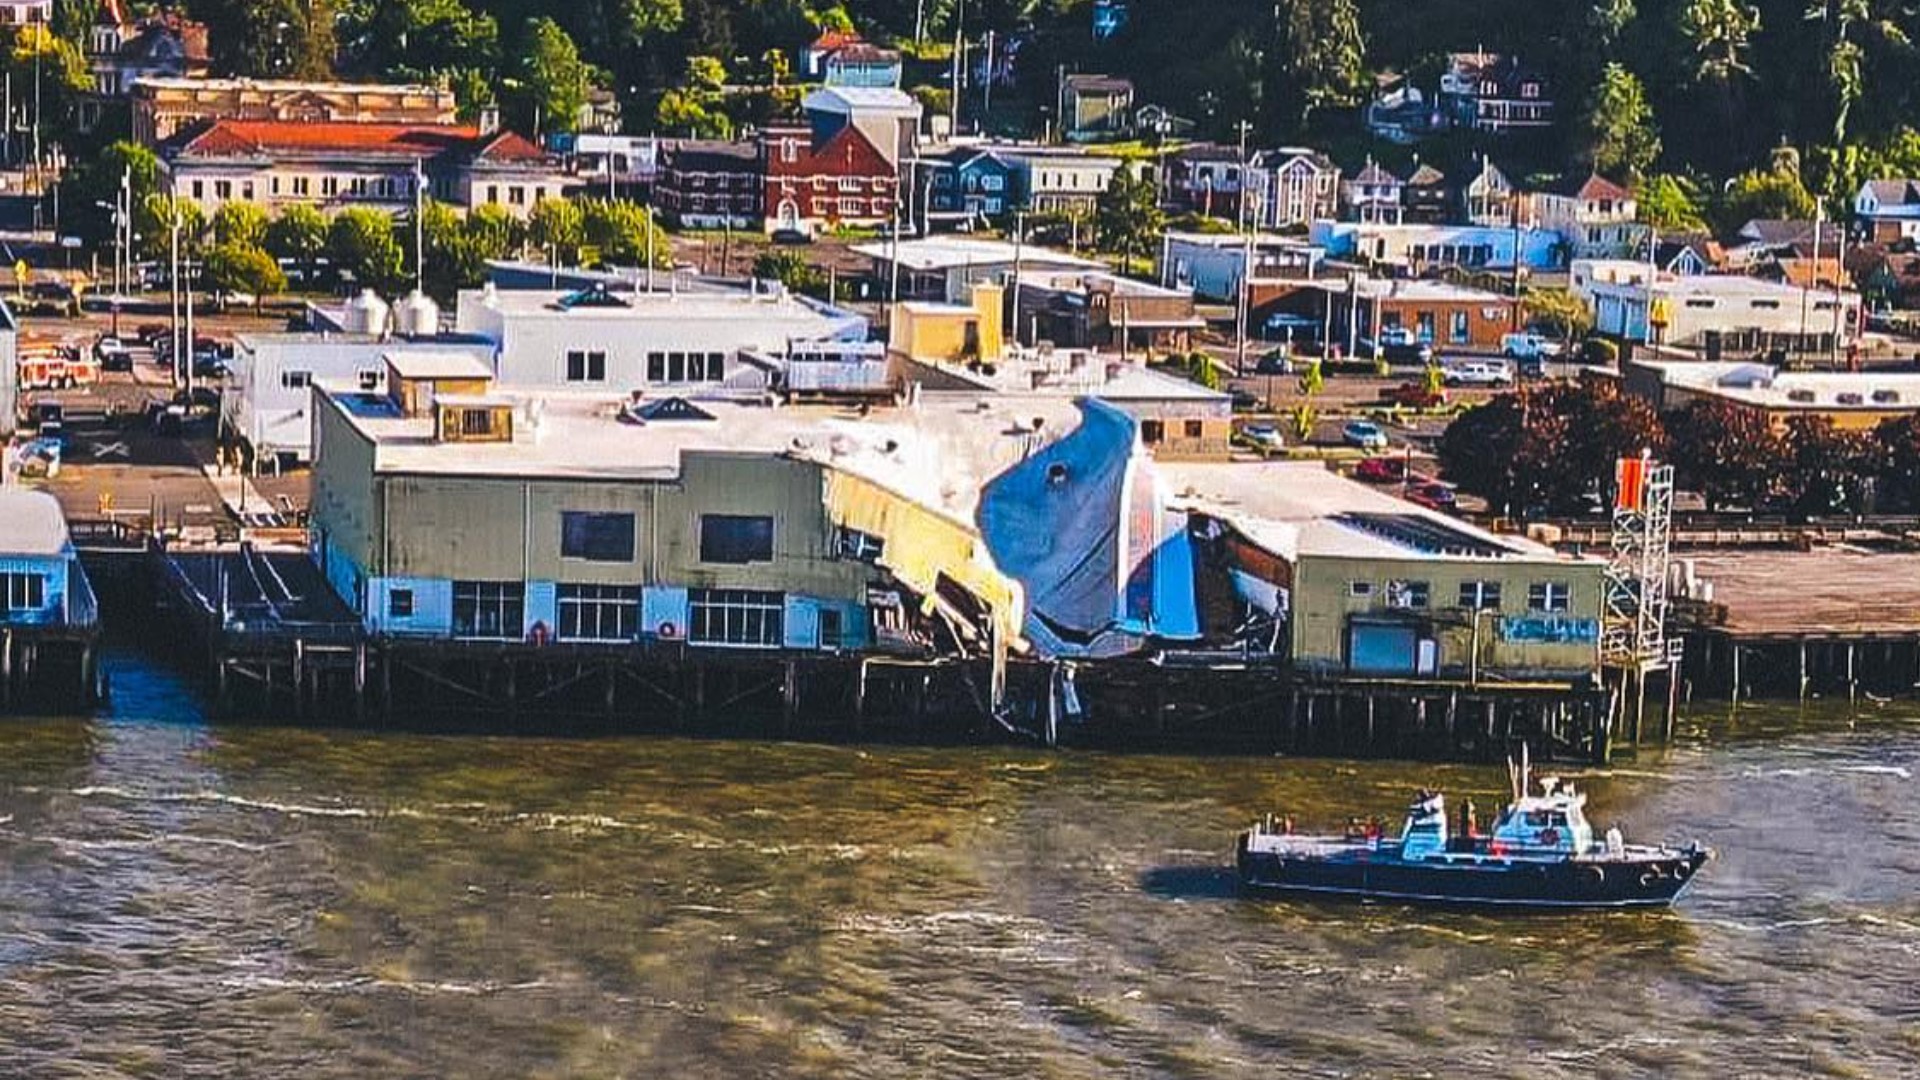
[1713,312]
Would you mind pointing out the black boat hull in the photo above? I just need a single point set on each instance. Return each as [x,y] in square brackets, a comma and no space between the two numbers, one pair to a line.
[1517,883]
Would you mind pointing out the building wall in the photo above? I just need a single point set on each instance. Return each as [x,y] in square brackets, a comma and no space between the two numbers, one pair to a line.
[1484,319]
[1514,644]
[344,504]
[9,371]
[266,401]
[943,335]
[52,572]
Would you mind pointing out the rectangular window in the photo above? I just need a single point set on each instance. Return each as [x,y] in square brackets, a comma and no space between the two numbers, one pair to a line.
[716,366]
[585,366]
[1408,594]
[1359,590]
[596,537]
[676,367]
[223,189]
[296,380]
[329,185]
[1194,429]
[273,185]
[400,603]
[1152,432]
[656,367]
[23,592]
[598,612]
[1480,595]
[736,538]
[493,193]
[745,617]
[1549,596]
[861,546]
[488,610]
[516,195]
[1457,326]
[199,189]
[302,185]
[830,633]
[696,367]
[476,422]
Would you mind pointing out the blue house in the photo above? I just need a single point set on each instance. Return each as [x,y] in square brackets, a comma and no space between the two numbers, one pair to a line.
[41,583]
[978,184]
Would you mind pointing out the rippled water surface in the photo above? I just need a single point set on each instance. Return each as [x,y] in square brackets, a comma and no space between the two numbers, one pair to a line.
[183,900]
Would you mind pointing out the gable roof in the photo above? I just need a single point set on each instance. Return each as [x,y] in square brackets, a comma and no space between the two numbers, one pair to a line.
[1426,176]
[1898,192]
[1374,174]
[1592,188]
[1776,232]
[1098,84]
[836,39]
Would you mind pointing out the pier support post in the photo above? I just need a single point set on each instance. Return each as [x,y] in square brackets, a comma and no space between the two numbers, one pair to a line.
[789,696]
[6,668]
[1803,669]
[1734,693]
[1853,681]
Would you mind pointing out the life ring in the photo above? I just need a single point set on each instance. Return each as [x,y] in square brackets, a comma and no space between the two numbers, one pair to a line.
[668,630]
[1680,870]
[537,633]
[1599,875]
[1648,878]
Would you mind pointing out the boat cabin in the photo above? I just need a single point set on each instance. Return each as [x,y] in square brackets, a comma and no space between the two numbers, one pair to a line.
[1552,822]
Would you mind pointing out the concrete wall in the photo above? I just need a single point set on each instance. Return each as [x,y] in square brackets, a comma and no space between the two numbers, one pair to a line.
[1510,643]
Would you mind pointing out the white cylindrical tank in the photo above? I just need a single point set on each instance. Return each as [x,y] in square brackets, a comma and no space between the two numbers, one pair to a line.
[416,316]
[366,314]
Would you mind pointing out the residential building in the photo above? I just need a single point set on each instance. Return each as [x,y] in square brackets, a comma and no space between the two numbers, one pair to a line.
[970,184]
[946,269]
[1214,266]
[1489,198]
[1890,209]
[1495,93]
[627,164]
[1850,401]
[164,105]
[711,185]
[599,340]
[1291,188]
[1594,216]
[1421,248]
[335,164]
[1427,197]
[813,59]
[1362,584]
[1204,178]
[122,49]
[1689,254]
[1159,122]
[841,181]
[1090,310]
[41,581]
[1065,184]
[1373,195]
[1719,314]
[26,12]
[1093,108]
[888,118]
[1439,314]
[862,65]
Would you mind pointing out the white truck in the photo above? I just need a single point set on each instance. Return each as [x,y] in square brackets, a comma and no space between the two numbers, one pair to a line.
[1529,346]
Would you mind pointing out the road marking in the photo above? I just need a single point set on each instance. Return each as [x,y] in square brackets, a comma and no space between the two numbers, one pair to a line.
[112,449]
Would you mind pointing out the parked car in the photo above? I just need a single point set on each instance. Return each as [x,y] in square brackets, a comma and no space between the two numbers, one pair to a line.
[1262,436]
[1529,346]
[1274,363]
[1244,400]
[104,344]
[790,236]
[1381,470]
[1478,373]
[116,359]
[1365,434]
[1431,494]
[1414,395]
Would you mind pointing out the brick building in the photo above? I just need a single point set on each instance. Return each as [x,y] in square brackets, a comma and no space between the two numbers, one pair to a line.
[841,180]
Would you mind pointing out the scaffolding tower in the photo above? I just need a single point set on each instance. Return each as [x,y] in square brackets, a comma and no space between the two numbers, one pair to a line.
[1633,633]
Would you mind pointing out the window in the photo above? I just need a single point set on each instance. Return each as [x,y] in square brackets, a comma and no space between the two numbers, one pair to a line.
[598,612]
[199,189]
[789,150]
[830,633]
[329,185]
[596,537]
[1152,432]
[1697,302]
[1549,596]
[246,190]
[492,610]
[296,380]
[1457,326]
[735,617]
[586,366]
[1408,594]
[1194,429]
[861,546]
[1480,595]
[656,367]
[273,185]
[716,366]
[1359,589]
[23,592]
[517,195]
[400,603]
[302,185]
[736,538]
[1423,322]
[223,189]
[676,367]
[493,193]
[476,422]
[849,183]
[1766,305]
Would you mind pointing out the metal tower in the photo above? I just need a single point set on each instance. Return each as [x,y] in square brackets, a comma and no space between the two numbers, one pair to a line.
[1633,632]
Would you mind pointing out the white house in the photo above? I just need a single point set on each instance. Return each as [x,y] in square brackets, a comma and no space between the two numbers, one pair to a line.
[1594,217]
[1889,208]
[1292,187]
[597,339]
[1212,265]
[1471,247]
[1373,195]
[1717,313]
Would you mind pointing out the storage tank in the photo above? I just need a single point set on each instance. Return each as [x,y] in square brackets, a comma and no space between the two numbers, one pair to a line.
[365,314]
[416,316]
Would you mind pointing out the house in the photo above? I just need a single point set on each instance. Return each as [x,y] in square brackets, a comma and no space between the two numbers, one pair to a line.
[1292,187]
[946,268]
[122,49]
[41,581]
[1373,195]
[1593,215]
[1890,209]
[1687,255]
[1359,583]
[1489,198]
[1437,313]
[1421,248]
[813,59]
[862,65]
[842,180]
[712,185]
[163,105]
[1493,92]
[1083,310]
[601,340]
[628,165]
[888,118]
[1067,184]
[1719,314]
[974,185]
[1850,401]
[1160,122]
[1215,266]
[1427,198]
[1095,107]
[1204,178]
[332,164]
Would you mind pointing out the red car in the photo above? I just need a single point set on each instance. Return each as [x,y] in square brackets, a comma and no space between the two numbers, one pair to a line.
[1381,470]
[1431,494]
[1414,395]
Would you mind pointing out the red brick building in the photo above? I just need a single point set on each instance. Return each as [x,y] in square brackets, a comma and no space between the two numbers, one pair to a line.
[711,185]
[843,180]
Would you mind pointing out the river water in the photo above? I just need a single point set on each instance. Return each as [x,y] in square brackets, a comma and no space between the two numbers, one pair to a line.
[178,899]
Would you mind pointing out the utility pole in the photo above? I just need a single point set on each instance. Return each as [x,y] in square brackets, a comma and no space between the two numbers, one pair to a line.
[173,280]
[1019,236]
[419,227]
[1819,214]
[650,246]
[986,87]
[959,69]
[1240,314]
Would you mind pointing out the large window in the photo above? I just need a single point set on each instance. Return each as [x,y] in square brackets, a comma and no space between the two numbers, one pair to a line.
[22,592]
[1480,595]
[1549,596]
[596,537]
[735,617]
[598,612]
[586,366]
[492,610]
[736,538]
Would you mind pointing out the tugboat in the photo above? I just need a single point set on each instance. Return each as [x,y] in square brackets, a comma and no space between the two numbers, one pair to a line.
[1541,854]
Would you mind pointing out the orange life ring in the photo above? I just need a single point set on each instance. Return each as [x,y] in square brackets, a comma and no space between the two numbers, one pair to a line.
[668,630]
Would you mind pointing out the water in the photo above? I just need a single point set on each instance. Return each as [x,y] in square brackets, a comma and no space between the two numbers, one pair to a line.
[180,900]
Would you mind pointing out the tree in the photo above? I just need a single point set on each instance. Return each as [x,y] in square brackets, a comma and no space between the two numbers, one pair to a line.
[1827,470]
[1771,193]
[240,223]
[419,40]
[153,222]
[1566,313]
[557,227]
[89,193]
[1201,369]
[706,74]
[791,269]
[60,70]
[1618,127]
[298,235]
[646,19]
[686,110]
[1549,449]
[493,231]
[1320,56]
[621,229]
[1720,32]
[1897,442]
[1730,454]
[244,268]
[1608,20]
[1847,27]
[1128,216]
[1670,203]
[556,79]
[269,37]
[360,241]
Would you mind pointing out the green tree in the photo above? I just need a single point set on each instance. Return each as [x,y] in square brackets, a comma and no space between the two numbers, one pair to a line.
[1847,29]
[557,226]
[1771,193]
[1721,32]
[494,231]
[1897,457]
[244,268]
[1320,56]
[36,56]
[1729,454]
[360,241]
[1827,470]
[647,19]
[1566,313]
[240,224]
[555,78]
[790,268]
[153,222]
[89,192]
[1201,369]
[298,235]
[1128,217]
[1608,20]
[1670,203]
[1549,449]
[420,40]
[706,74]
[1618,128]
[686,110]
[620,229]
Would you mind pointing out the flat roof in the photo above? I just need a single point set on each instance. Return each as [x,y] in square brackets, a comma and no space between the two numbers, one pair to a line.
[31,523]
[654,306]
[438,365]
[1761,385]
[1416,290]
[943,253]
[1329,515]
[1235,240]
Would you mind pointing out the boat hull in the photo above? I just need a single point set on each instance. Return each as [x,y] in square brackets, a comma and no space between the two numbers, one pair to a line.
[1509,883]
